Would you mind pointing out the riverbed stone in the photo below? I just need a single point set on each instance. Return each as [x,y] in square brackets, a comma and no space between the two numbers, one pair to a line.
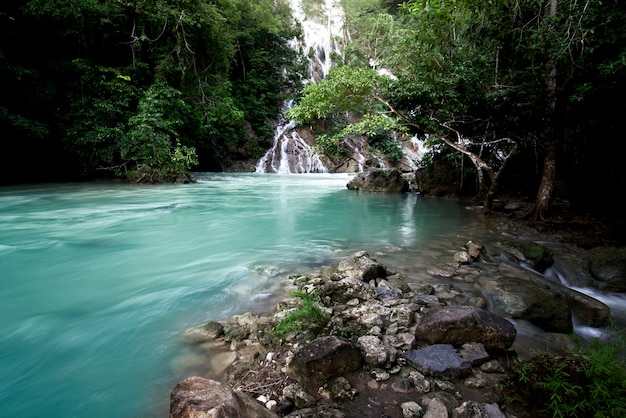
[589,311]
[475,353]
[522,298]
[438,360]
[205,332]
[458,325]
[345,290]
[323,358]
[361,266]
[197,397]
[608,268]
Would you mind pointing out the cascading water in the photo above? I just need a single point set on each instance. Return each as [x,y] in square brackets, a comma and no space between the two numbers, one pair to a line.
[290,153]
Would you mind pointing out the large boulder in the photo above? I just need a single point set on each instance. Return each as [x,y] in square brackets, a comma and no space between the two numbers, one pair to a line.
[197,397]
[379,180]
[537,303]
[608,268]
[323,358]
[587,310]
[458,325]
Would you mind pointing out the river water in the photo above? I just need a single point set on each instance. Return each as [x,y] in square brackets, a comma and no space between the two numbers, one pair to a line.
[98,280]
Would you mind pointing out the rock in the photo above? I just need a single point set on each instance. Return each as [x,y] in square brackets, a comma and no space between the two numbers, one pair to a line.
[436,409]
[538,256]
[374,352]
[458,325]
[469,409]
[475,353]
[320,411]
[347,289]
[462,257]
[411,409]
[379,180]
[361,266]
[588,311]
[323,358]
[438,360]
[338,389]
[473,409]
[492,366]
[197,397]
[474,249]
[608,268]
[419,381]
[206,332]
[523,298]
[440,179]
[298,395]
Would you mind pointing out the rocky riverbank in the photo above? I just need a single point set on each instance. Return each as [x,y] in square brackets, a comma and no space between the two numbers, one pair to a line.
[361,338]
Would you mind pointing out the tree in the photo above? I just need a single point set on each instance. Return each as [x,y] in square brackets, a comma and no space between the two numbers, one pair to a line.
[363,92]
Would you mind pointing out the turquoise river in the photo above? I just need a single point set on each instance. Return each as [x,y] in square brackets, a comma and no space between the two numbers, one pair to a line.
[99,280]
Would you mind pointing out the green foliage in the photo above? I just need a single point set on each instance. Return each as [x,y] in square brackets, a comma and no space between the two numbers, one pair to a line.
[310,317]
[345,89]
[591,382]
[374,34]
[152,146]
[390,147]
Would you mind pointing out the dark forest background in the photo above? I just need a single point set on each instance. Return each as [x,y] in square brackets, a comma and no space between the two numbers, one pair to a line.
[146,90]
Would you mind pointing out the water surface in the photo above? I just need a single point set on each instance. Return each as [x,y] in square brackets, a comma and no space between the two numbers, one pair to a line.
[98,280]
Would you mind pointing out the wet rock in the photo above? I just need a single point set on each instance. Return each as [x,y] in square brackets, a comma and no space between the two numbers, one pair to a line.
[539,257]
[458,325]
[522,298]
[588,311]
[379,180]
[197,397]
[462,257]
[438,360]
[323,358]
[206,332]
[474,249]
[608,268]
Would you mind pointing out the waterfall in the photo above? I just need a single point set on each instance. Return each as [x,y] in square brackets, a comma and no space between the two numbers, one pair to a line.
[290,153]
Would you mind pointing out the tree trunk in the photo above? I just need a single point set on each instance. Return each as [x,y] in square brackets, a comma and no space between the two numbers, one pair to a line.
[548,178]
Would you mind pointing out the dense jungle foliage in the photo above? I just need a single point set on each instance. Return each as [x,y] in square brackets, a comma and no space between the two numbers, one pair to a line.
[148,89]
[143,89]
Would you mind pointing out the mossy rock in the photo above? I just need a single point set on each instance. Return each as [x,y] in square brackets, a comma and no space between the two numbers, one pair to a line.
[538,256]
